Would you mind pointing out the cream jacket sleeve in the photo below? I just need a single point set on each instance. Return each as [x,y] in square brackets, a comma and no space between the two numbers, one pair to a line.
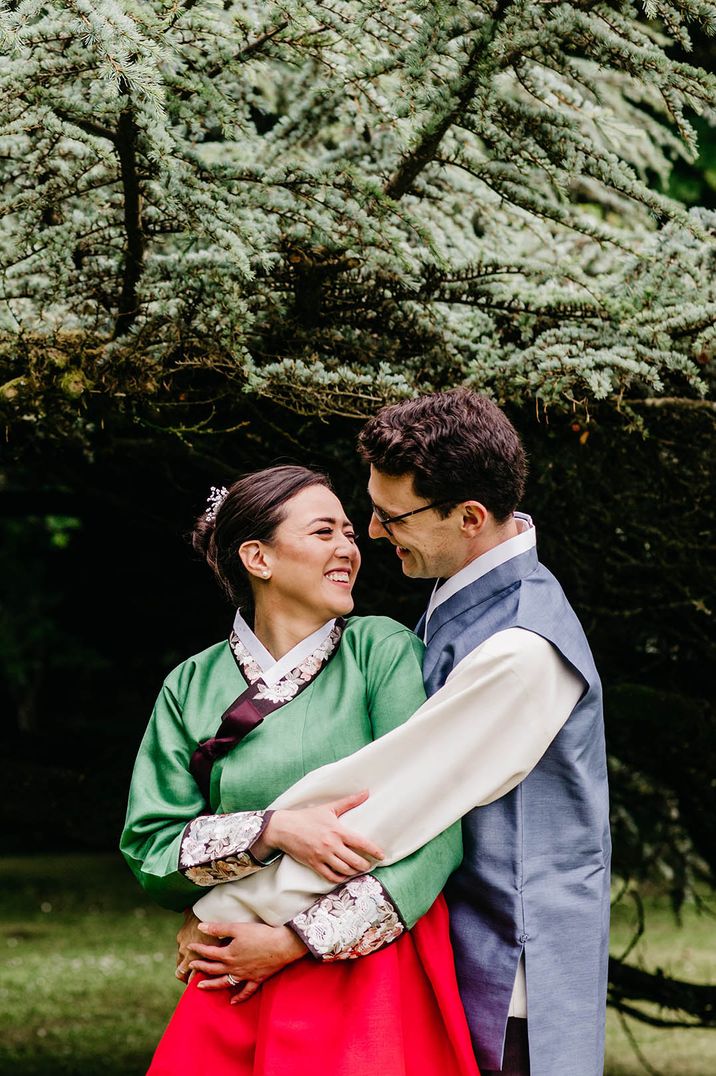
[470,743]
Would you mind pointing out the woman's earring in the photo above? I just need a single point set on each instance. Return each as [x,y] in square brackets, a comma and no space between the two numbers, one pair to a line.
[265,573]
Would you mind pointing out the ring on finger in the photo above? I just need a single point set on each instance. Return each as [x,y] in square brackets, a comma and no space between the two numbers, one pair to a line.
[233,981]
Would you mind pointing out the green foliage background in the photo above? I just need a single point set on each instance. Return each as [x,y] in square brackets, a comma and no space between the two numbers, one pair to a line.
[229,231]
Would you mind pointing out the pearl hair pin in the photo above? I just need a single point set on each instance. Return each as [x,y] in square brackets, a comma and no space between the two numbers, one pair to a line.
[214,502]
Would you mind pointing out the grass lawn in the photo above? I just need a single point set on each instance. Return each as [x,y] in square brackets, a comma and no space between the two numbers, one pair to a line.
[88,982]
[88,979]
[686,952]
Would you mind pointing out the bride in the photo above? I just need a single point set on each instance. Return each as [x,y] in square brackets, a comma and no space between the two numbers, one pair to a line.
[294,687]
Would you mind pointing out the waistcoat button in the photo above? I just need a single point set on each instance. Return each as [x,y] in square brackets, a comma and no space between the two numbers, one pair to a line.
[523,937]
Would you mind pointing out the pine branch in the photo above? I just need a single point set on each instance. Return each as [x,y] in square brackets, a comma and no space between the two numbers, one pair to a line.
[88,126]
[180,10]
[294,240]
[681,402]
[435,130]
[250,48]
[627,983]
[126,142]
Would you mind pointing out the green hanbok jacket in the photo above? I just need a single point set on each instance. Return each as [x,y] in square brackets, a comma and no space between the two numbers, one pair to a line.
[177,846]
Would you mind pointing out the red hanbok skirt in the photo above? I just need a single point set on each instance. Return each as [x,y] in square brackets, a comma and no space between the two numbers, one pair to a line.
[396,1012]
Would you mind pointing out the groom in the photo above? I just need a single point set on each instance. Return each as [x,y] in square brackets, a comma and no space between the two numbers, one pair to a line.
[529,906]
[512,734]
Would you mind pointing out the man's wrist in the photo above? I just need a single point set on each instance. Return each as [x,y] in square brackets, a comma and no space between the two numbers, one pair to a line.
[293,945]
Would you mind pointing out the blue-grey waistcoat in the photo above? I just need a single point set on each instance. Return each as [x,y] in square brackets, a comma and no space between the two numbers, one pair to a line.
[535,876]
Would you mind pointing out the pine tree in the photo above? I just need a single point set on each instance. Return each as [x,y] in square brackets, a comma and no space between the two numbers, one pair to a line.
[337,203]
[333,204]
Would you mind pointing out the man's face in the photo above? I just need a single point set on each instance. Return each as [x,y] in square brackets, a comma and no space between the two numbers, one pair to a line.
[427,545]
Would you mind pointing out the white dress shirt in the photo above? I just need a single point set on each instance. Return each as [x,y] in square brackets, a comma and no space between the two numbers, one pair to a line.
[525,539]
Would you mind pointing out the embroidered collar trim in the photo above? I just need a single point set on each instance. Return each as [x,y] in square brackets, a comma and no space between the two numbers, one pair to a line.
[284,687]
[271,670]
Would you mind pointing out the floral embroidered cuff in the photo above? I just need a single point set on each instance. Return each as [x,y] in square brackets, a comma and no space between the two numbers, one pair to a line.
[217,847]
[354,920]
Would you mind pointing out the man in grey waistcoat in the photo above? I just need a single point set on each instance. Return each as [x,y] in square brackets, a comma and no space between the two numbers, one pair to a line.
[529,906]
[511,738]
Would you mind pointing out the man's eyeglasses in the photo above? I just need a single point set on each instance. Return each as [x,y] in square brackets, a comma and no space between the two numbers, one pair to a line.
[385,521]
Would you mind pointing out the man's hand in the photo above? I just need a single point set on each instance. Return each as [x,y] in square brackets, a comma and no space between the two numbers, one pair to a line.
[255,952]
[188,932]
[314,836]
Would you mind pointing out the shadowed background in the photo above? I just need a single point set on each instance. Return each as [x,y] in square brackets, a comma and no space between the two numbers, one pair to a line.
[103,595]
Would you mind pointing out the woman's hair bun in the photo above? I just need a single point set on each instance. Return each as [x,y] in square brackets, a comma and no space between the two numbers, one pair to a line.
[202,535]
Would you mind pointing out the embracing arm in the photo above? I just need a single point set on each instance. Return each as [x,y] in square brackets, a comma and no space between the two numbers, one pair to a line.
[364,914]
[469,744]
[380,905]
[170,845]
[358,918]
[385,902]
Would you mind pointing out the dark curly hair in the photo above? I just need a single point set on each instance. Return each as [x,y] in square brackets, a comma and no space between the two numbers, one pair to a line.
[251,510]
[457,446]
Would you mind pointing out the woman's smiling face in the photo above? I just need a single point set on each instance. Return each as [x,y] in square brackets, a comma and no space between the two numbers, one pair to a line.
[313,557]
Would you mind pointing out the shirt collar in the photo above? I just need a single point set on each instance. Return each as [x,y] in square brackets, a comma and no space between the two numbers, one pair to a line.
[499,554]
[271,669]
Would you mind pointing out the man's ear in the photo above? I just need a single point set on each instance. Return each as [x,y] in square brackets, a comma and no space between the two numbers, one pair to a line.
[474,518]
[253,557]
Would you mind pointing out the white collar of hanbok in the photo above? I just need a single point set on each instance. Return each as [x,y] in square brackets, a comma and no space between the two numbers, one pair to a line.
[493,558]
[270,669]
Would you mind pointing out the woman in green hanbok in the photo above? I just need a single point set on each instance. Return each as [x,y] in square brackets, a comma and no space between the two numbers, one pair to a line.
[295,686]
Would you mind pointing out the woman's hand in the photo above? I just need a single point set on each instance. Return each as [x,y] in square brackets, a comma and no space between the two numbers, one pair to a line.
[188,932]
[315,837]
[254,953]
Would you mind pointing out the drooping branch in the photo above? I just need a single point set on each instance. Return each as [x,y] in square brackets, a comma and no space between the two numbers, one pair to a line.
[437,127]
[683,402]
[185,93]
[696,1002]
[257,241]
[126,143]
[250,47]
[179,11]
[86,125]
